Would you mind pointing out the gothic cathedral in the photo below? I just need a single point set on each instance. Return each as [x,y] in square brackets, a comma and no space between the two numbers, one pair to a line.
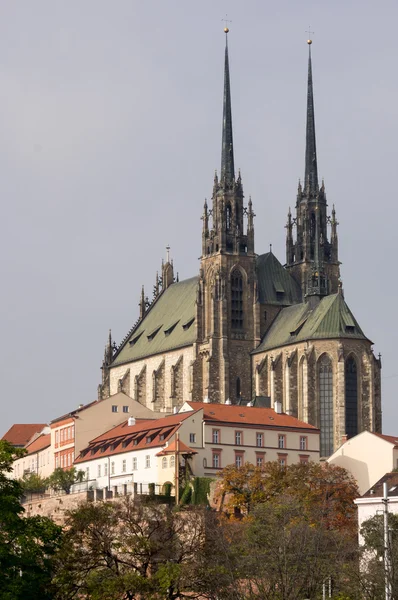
[249,329]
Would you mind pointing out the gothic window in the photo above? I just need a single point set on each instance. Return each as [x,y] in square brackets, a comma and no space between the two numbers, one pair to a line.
[351,397]
[326,405]
[228,217]
[236,300]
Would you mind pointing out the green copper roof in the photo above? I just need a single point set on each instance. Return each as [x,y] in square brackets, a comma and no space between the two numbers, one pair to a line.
[275,284]
[331,318]
[168,324]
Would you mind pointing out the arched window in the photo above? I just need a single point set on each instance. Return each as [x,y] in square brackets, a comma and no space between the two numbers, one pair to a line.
[238,387]
[325,371]
[236,300]
[302,412]
[351,397]
[228,217]
[172,460]
[164,462]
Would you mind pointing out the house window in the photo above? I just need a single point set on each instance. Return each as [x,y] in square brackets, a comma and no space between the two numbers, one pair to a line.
[87,473]
[125,409]
[135,463]
[238,459]
[62,435]
[56,461]
[172,461]
[238,438]
[147,461]
[259,459]
[281,441]
[73,456]
[236,300]
[114,408]
[164,462]
[303,442]
[73,431]
[124,466]
[326,404]
[106,469]
[304,459]
[192,438]
[99,471]
[216,436]
[57,437]
[216,460]
[112,468]
[282,460]
[205,463]
[148,439]
[259,440]
[351,397]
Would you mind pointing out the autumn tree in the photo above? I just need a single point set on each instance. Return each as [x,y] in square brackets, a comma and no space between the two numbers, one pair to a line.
[27,544]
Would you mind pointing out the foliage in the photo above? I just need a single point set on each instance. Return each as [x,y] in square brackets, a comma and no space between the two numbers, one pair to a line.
[329,488]
[201,491]
[61,480]
[27,544]
[34,484]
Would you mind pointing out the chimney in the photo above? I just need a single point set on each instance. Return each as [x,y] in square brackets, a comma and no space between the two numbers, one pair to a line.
[228,401]
[131,421]
[175,410]
[278,407]
[206,400]
[344,439]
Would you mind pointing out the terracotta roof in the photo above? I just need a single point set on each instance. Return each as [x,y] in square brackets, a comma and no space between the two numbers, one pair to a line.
[388,438]
[124,437]
[21,434]
[171,449]
[250,415]
[40,443]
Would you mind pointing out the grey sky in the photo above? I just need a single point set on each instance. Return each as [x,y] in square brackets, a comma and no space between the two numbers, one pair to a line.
[110,131]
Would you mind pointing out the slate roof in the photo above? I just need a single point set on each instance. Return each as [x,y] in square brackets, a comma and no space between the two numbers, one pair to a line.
[249,415]
[122,438]
[21,434]
[168,324]
[331,318]
[275,284]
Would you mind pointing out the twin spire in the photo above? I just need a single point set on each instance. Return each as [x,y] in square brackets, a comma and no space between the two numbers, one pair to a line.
[227,152]
[311,167]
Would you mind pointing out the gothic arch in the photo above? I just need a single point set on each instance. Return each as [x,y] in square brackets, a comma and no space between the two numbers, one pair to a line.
[324,368]
[303,389]
[351,389]
[237,284]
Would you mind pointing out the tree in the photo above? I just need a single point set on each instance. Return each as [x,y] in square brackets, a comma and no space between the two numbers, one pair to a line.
[33,483]
[63,480]
[329,488]
[27,544]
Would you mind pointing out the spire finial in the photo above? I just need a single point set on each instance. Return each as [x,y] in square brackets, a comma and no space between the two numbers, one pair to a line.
[227,152]
[167,253]
[311,168]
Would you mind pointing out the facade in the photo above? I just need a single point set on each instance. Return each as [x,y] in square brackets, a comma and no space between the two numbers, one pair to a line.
[371,504]
[367,456]
[210,437]
[70,433]
[247,326]
[38,459]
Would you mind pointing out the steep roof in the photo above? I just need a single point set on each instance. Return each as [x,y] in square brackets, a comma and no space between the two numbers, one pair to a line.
[248,415]
[331,318]
[125,437]
[168,324]
[40,443]
[388,438]
[275,284]
[172,447]
[21,434]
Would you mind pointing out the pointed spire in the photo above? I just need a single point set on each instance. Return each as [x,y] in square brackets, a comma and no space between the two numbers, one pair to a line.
[311,167]
[142,303]
[227,153]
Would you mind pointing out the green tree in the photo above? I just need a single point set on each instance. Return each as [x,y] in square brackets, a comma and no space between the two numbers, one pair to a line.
[27,544]
[33,484]
[61,480]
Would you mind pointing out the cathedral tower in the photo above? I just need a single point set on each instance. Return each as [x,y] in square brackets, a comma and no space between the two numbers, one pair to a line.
[314,252]
[228,313]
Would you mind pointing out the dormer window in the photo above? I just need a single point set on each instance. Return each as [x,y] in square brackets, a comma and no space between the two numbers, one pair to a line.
[153,333]
[135,339]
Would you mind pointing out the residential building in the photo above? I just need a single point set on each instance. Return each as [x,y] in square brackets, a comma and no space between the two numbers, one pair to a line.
[71,432]
[210,437]
[371,504]
[367,456]
[19,435]
[247,326]
[38,459]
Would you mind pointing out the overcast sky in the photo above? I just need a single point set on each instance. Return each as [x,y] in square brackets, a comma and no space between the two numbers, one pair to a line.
[110,131]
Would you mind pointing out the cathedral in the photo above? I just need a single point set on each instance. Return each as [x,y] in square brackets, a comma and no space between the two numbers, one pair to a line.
[247,328]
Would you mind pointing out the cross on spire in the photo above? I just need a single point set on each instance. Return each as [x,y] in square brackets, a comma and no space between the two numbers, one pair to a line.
[309,33]
[226,21]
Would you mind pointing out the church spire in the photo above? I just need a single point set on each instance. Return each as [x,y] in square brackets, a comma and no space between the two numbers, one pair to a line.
[311,167]
[227,152]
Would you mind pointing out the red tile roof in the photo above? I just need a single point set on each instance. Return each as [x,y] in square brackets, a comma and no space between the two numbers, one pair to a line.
[124,437]
[171,449]
[21,434]
[250,415]
[40,443]
[388,438]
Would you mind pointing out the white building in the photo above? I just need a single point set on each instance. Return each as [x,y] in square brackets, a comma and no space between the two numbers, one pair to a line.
[371,503]
[367,456]
[210,437]
[38,458]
